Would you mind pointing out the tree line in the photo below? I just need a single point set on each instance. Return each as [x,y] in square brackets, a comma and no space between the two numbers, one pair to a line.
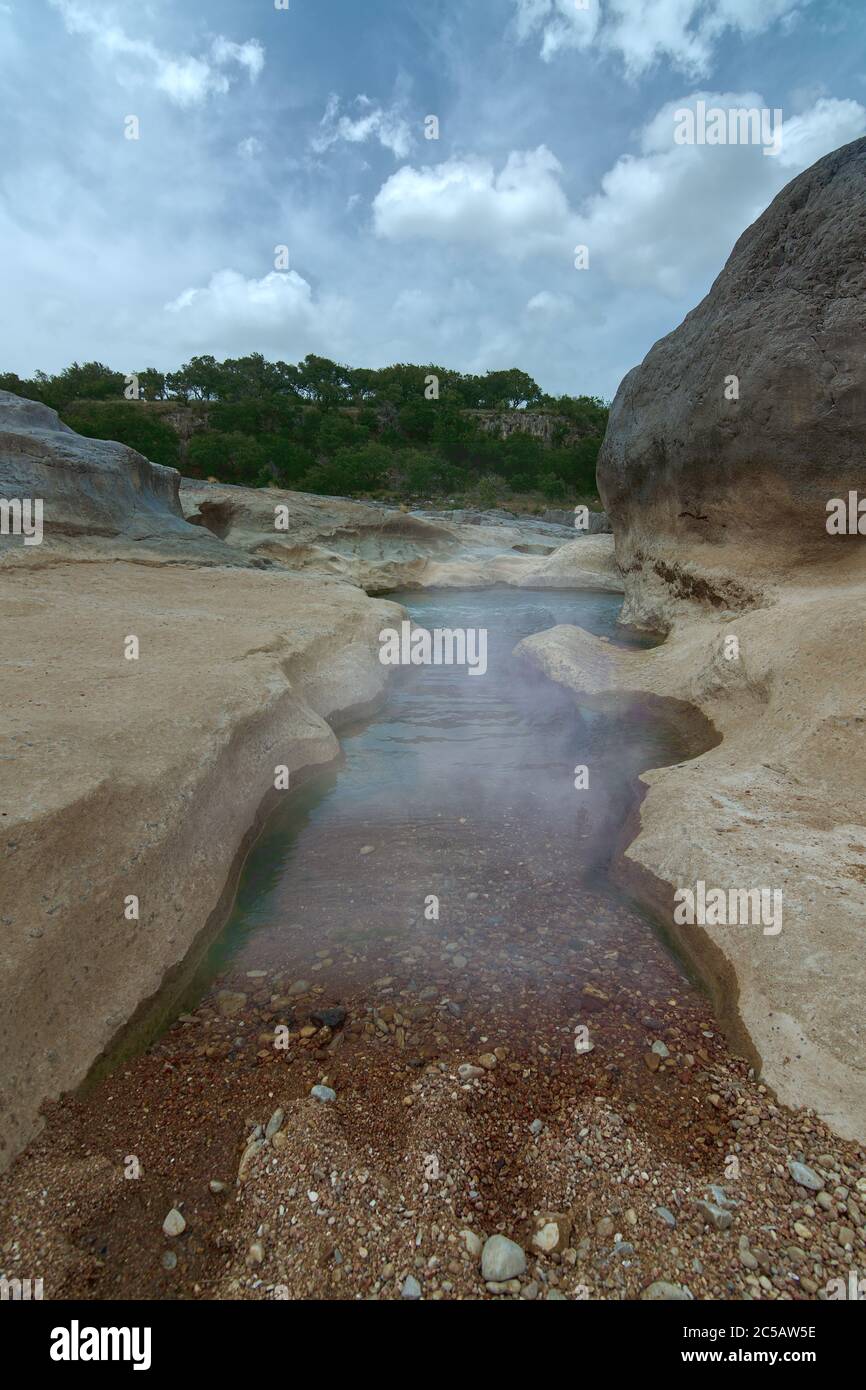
[405,430]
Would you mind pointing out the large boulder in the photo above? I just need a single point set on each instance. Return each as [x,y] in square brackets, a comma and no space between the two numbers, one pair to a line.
[94,492]
[709,494]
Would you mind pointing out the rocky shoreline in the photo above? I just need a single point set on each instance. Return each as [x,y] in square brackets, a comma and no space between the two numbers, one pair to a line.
[653,1166]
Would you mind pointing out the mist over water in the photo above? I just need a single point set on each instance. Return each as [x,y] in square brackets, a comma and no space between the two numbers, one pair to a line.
[461,787]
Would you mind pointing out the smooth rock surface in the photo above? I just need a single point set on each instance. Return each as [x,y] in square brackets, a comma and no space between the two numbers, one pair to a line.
[501,1259]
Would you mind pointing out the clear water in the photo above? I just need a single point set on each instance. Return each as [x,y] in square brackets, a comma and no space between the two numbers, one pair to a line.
[464,788]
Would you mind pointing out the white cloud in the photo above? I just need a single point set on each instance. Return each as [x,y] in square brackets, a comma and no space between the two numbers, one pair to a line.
[520,210]
[644,32]
[562,24]
[372,123]
[670,215]
[278,311]
[824,127]
[185,79]
[546,305]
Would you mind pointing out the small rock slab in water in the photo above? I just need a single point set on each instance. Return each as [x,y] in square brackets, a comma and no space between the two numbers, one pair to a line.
[230,1002]
[329,1018]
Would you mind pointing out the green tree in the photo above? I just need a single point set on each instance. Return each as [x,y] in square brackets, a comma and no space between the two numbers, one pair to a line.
[350,472]
[230,458]
[129,423]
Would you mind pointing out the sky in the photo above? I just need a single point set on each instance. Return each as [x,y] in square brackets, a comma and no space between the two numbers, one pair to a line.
[305,125]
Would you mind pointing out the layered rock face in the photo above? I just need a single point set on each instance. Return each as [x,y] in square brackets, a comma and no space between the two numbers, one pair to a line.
[381,548]
[719,510]
[709,494]
[95,493]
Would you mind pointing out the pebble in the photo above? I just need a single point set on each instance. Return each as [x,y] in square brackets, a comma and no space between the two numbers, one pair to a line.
[274,1124]
[466,1071]
[536,1127]
[411,1288]
[714,1215]
[174,1224]
[661,1290]
[216,1186]
[547,1237]
[660,1050]
[805,1176]
[501,1259]
[666,1216]
[472,1242]
[323,1093]
[230,1002]
[169,1259]
[488,1061]
[367,849]
[249,1153]
[330,1018]
[299,987]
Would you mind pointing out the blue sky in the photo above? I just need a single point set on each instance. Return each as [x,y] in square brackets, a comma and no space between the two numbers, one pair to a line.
[305,127]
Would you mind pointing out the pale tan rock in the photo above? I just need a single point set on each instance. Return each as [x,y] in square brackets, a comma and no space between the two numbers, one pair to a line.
[778,802]
[145,779]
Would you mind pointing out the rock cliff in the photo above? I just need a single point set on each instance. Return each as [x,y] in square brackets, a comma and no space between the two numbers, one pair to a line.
[720,508]
[727,442]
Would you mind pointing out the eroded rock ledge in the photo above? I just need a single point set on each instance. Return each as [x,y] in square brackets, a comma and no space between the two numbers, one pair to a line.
[719,509]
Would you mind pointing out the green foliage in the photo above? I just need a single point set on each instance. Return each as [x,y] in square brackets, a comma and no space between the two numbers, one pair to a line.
[232,458]
[361,469]
[129,422]
[406,430]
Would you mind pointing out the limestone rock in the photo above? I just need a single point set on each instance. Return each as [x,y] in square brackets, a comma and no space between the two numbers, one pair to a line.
[94,492]
[501,1259]
[703,490]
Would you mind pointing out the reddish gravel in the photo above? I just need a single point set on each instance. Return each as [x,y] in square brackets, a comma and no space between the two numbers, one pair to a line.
[351,1197]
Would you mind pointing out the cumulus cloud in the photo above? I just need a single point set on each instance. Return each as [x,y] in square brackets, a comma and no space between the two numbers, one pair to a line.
[280,311]
[664,217]
[185,79]
[643,32]
[521,209]
[372,123]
